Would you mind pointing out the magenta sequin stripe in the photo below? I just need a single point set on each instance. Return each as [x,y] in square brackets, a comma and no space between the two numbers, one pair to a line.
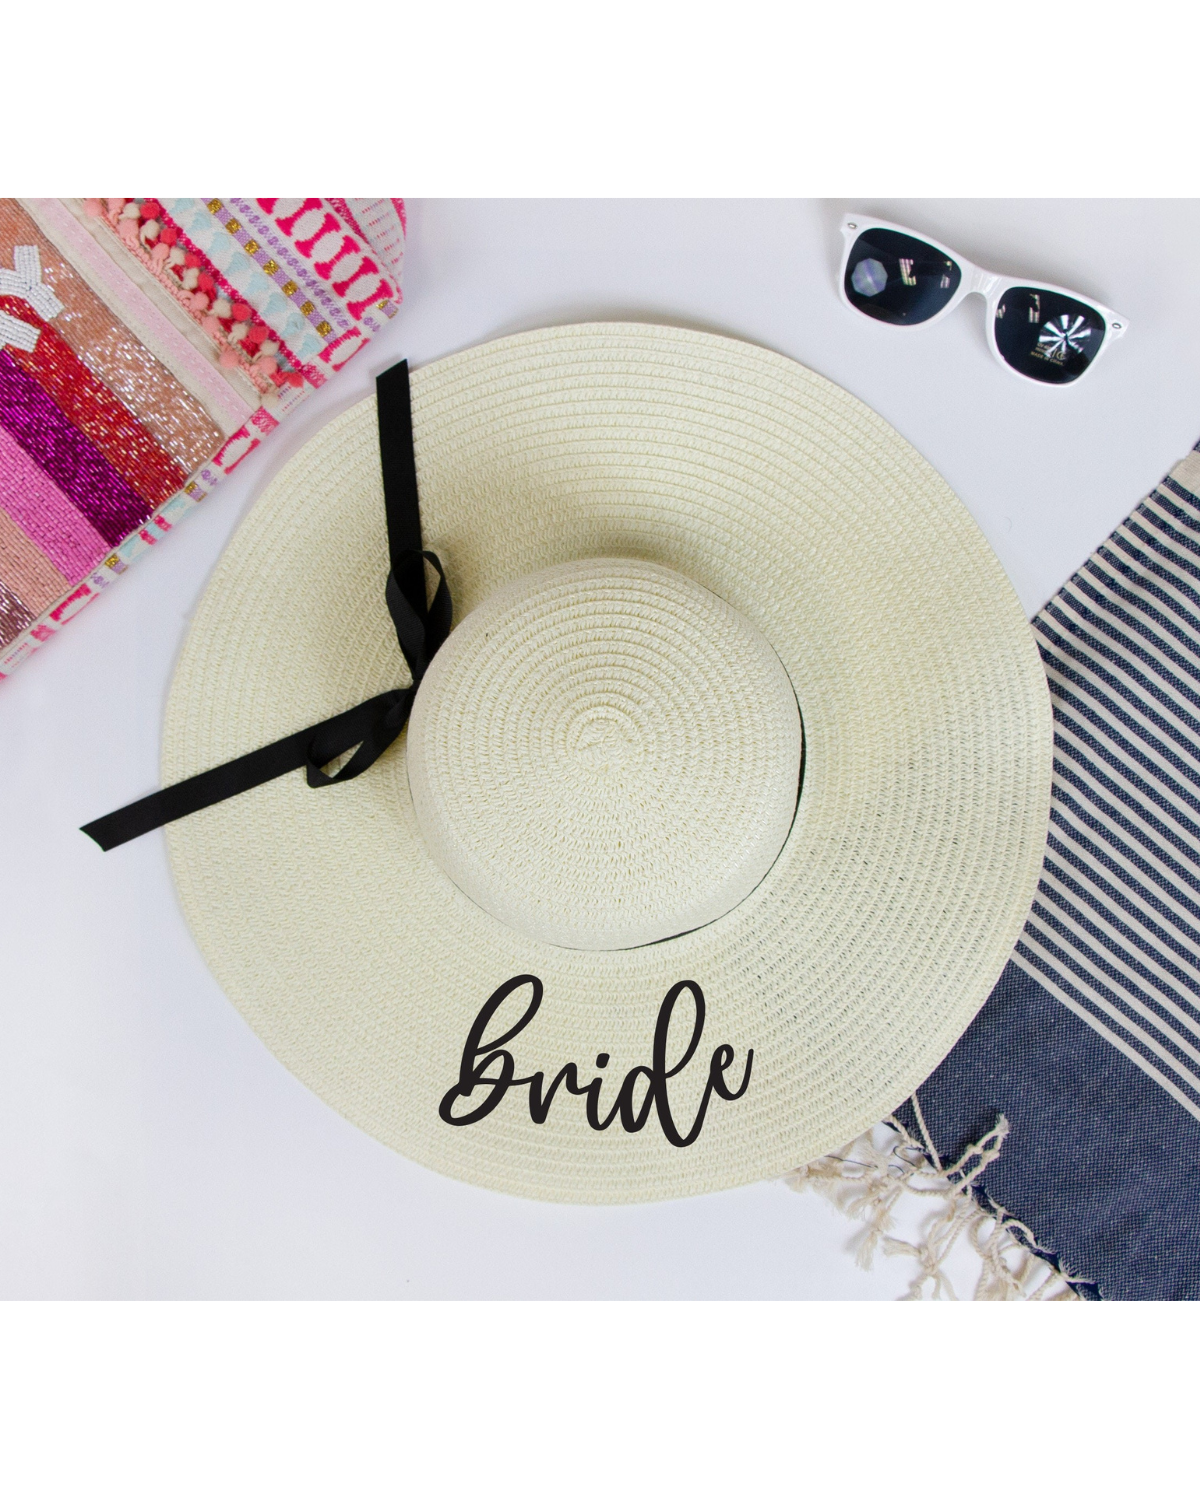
[79,469]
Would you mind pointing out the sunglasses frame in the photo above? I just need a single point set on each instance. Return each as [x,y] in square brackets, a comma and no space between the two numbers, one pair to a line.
[989,285]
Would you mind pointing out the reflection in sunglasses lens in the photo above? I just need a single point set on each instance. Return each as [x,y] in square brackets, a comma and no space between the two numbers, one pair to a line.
[1046,335]
[899,279]
[869,277]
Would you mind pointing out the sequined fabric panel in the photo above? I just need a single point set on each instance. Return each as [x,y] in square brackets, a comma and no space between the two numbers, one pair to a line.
[147,347]
[160,403]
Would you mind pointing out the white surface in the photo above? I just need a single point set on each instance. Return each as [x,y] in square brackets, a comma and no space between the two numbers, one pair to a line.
[149,1145]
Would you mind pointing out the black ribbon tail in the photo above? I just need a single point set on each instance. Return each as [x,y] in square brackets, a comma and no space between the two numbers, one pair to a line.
[314,746]
[368,729]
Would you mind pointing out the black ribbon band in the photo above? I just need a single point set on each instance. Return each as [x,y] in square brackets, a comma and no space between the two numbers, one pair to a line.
[421,627]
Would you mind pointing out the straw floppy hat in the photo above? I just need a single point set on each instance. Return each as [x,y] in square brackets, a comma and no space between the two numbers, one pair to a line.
[718,814]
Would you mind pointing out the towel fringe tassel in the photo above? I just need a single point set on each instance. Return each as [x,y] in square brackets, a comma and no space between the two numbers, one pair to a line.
[867,1180]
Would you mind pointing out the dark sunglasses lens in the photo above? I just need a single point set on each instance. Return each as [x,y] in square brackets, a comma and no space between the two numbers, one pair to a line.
[1047,336]
[898,279]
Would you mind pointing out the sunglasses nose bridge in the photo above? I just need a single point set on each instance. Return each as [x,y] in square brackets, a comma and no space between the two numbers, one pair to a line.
[981,281]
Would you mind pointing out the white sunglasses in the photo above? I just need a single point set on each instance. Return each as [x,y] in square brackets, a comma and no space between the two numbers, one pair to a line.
[1038,331]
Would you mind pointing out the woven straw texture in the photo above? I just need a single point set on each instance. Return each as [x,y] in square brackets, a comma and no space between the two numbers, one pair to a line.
[851,968]
[605,754]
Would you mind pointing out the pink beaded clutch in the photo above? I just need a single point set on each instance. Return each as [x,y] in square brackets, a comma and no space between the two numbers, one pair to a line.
[147,345]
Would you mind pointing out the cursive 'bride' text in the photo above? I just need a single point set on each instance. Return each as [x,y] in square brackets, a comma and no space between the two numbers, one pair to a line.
[486,1064]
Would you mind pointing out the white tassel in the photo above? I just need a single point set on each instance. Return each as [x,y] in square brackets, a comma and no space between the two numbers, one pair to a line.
[867,1179]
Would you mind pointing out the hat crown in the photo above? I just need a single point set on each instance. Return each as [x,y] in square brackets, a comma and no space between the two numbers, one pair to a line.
[605,754]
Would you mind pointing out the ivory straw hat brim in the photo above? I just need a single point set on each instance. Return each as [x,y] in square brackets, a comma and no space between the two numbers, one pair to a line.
[901,889]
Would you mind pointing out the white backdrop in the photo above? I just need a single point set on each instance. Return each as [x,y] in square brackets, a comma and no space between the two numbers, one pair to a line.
[149,1145]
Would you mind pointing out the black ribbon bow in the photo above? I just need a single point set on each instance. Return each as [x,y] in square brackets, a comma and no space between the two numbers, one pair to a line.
[369,729]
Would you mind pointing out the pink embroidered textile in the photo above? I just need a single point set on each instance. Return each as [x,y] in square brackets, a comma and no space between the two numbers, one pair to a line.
[147,345]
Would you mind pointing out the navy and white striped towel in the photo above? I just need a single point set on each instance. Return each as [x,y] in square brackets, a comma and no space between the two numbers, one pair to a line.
[1090,1043]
